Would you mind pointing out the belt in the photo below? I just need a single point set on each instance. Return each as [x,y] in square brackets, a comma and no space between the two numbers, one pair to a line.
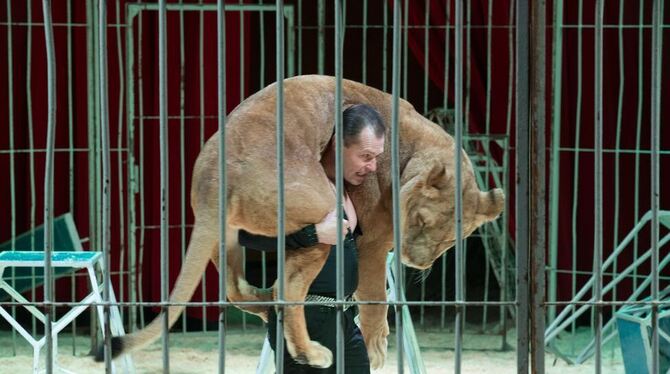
[325,299]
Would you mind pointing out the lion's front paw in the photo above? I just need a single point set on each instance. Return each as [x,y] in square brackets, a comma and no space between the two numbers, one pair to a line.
[315,355]
[377,346]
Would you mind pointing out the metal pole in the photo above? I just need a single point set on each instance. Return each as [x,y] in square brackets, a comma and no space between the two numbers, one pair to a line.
[405,48]
[504,296]
[92,129]
[321,36]
[70,133]
[458,209]
[183,243]
[656,74]
[281,208]
[339,184]
[31,142]
[445,85]
[598,187]
[106,183]
[556,72]
[12,180]
[132,190]
[426,60]
[164,194]
[221,79]
[537,179]
[123,272]
[395,178]
[201,115]
[522,185]
[48,182]
[385,45]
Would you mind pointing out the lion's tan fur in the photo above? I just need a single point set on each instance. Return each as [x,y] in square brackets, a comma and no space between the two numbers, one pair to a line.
[427,195]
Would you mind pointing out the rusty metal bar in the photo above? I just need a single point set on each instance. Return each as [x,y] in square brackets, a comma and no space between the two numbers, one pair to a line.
[521,181]
[221,104]
[537,238]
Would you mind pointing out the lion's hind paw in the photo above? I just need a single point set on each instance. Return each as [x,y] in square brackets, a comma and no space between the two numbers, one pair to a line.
[377,348]
[315,355]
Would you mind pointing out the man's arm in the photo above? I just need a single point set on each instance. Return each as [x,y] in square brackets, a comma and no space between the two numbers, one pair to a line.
[306,237]
[310,235]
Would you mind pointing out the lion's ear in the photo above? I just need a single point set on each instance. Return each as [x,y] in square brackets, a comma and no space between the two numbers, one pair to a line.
[491,204]
[437,177]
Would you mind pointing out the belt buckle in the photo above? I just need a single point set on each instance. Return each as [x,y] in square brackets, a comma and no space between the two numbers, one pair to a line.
[320,298]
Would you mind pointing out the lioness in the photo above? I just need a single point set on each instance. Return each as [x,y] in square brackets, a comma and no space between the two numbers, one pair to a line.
[427,205]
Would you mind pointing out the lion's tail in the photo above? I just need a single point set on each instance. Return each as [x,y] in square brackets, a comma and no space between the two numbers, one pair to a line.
[198,255]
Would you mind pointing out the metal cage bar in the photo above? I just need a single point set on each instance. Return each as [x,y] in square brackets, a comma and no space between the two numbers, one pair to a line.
[49,183]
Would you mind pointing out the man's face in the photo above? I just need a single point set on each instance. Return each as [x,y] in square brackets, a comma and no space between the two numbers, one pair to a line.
[360,158]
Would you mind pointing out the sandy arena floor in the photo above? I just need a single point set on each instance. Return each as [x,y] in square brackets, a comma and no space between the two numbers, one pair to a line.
[198,353]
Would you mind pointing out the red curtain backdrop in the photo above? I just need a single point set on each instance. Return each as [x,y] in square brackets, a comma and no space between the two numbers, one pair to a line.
[34,86]
[28,77]
[577,118]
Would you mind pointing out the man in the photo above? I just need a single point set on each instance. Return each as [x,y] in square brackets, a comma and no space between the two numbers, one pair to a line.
[363,135]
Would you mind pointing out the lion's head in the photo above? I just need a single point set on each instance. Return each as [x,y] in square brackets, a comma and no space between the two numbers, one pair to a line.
[428,204]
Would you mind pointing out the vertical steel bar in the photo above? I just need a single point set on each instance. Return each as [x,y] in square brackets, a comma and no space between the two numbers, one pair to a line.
[426,59]
[92,130]
[339,186]
[617,173]
[395,179]
[522,183]
[242,77]
[300,27]
[576,163]
[385,45]
[656,76]
[10,123]
[445,100]
[537,180]
[321,37]
[261,81]
[405,47]
[638,136]
[140,109]
[556,84]
[504,296]
[164,191]
[290,42]
[261,69]
[201,79]
[182,151]
[131,171]
[364,48]
[489,38]
[221,85]
[458,208]
[48,183]
[447,51]
[598,183]
[31,145]
[467,65]
[281,208]
[241,53]
[119,155]
[106,176]
[485,231]
[70,132]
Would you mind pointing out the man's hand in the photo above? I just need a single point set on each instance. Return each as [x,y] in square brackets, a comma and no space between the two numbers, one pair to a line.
[326,230]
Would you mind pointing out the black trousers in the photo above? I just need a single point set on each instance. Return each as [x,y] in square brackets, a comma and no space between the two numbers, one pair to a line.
[322,327]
